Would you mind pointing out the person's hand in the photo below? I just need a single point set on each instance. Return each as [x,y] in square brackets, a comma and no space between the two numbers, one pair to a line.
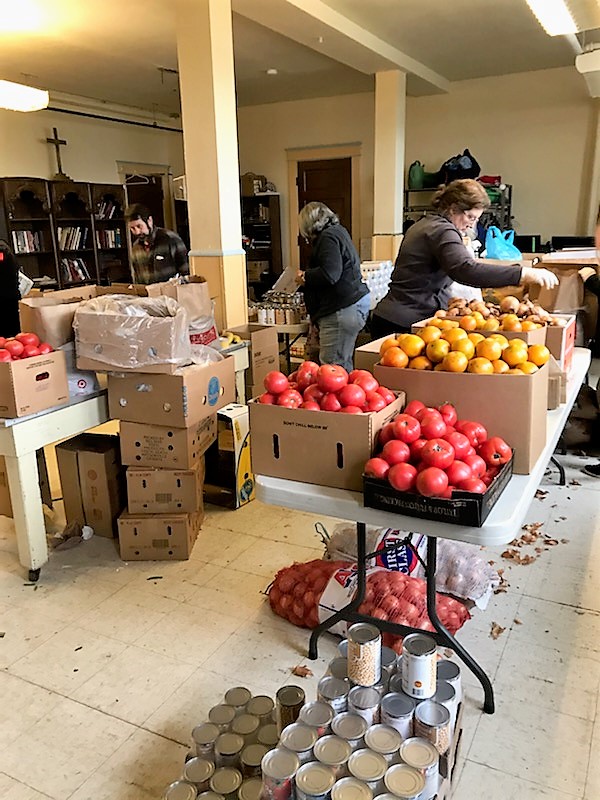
[586,272]
[300,277]
[541,277]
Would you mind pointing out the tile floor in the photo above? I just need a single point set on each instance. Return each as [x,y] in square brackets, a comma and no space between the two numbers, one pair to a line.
[106,668]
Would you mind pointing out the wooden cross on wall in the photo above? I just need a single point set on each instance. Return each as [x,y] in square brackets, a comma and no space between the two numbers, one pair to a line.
[60,175]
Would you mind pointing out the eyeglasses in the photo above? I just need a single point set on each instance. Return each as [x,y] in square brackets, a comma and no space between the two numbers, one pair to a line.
[471,217]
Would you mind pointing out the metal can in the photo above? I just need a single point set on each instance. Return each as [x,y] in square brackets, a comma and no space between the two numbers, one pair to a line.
[262,315]
[389,662]
[334,752]
[300,739]
[204,737]
[342,648]
[226,781]
[246,725]
[369,767]
[364,654]
[278,769]
[221,716]
[351,789]
[210,796]
[398,710]
[422,755]
[334,692]
[338,668]
[383,739]
[250,759]
[268,735]
[364,700]
[445,695]
[228,748]
[289,701]
[314,781]
[238,697]
[261,706]
[449,671]
[405,782]
[418,665]
[250,789]
[395,684]
[180,790]
[317,715]
[199,771]
[432,722]
[351,727]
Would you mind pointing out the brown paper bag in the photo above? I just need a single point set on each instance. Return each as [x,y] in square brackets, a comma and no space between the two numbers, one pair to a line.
[193,296]
[567,297]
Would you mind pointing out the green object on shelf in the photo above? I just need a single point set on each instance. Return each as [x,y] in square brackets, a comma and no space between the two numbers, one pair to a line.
[495,195]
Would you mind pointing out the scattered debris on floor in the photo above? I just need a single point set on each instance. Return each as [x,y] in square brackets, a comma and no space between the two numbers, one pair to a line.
[496,630]
[504,584]
[517,621]
[78,648]
[302,672]
[541,494]
[155,578]
[73,534]
[574,483]
[2,634]
[533,536]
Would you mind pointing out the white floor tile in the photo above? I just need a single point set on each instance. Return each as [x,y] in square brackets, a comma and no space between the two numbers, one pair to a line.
[25,629]
[10,789]
[497,785]
[265,557]
[23,704]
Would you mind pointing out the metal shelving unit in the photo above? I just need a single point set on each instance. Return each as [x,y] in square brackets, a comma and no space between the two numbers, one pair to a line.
[417,203]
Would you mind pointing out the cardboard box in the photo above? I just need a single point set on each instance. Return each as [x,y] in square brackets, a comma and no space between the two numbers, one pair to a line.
[536,336]
[264,351]
[166,448]
[321,447]
[33,384]
[165,491]
[6,508]
[557,385]
[367,355]
[179,400]
[229,476]
[510,406]
[92,481]
[158,537]
[561,341]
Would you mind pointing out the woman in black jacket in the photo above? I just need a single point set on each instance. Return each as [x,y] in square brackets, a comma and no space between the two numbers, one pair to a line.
[9,292]
[336,298]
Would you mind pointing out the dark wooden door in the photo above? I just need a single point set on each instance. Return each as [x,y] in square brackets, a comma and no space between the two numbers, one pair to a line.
[330,182]
[147,190]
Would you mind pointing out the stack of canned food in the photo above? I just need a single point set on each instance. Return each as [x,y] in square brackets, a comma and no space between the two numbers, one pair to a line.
[281,308]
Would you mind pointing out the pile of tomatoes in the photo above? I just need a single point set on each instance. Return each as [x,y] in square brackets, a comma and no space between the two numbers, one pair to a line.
[23,345]
[431,451]
[326,388]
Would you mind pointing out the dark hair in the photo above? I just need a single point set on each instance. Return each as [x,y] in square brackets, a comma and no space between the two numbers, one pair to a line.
[137,211]
[464,194]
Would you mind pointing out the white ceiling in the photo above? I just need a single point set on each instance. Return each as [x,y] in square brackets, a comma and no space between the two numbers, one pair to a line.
[111,51]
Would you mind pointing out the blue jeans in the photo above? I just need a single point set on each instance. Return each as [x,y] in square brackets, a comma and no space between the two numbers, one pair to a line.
[338,332]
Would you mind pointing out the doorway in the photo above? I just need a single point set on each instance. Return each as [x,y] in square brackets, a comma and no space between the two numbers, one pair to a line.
[148,191]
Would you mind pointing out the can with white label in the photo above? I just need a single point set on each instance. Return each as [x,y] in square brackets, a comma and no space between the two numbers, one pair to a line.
[317,715]
[334,692]
[364,700]
[314,781]
[338,667]
[351,727]
[278,769]
[364,654]
[398,710]
[449,671]
[419,665]
[422,755]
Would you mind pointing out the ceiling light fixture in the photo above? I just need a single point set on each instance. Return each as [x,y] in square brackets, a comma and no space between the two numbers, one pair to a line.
[18,97]
[554,16]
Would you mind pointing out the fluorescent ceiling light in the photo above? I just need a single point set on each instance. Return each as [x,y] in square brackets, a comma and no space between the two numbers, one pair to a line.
[554,16]
[17,97]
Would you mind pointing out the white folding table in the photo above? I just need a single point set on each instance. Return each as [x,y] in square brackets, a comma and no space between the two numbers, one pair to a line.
[501,526]
[20,438]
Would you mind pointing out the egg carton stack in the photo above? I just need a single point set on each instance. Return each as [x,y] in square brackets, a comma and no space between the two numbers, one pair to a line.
[377,276]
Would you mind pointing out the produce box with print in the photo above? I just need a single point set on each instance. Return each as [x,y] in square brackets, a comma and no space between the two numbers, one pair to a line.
[158,537]
[165,491]
[167,448]
[229,476]
[33,384]
[560,340]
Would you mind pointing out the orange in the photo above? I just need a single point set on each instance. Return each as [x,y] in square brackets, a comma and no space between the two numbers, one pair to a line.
[514,355]
[538,354]
[498,337]
[515,371]
[436,322]
[491,324]
[468,322]
[455,362]
[528,325]
[430,333]
[490,349]
[454,334]
[435,351]
[448,324]
[394,357]
[511,323]
[412,345]
[391,342]
[465,346]
[518,343]
[420,362]
[438,367]
[476,337]
[500,366]
[482,366]
[479,318]
[528,367]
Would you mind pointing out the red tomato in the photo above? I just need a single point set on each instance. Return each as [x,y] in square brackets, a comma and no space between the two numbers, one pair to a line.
[402,477]
[477,465]
[331,377]
[413,407]
[5,355]
[415,449]
[352,395]
[30,351]
[376,402]
[448,412]
[290,398]
[448,496]
[330,402]
[474,431]
[367,382]
[276,382]
[351,410]
[267,399]
[293,377]
[28,338]
[406,428]
[473,485]
[494,451]
[385,434]
[2,342]
[427,410]
[458,472]
[395,452]
[432,482]
[310,405]
[14,347]
[45,348]
[432,427]
[438,453]
[307,374]
[459,442]
[313,392]
[376,468]
[387,394]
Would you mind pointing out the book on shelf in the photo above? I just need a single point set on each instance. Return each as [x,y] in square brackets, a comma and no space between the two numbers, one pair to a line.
[107,209]
[25,241]
[72,237]
[74,270]
[109,238]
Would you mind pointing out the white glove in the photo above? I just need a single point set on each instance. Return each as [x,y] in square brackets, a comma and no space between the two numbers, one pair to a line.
[542,277]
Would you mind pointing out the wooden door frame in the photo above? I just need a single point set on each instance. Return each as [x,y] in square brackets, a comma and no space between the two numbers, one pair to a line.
[166,175]
[351,150]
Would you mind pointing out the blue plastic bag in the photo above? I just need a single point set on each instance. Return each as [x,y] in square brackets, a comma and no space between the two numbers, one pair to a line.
[499,244]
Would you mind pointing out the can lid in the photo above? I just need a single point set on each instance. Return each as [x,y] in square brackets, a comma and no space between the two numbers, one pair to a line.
[211,796]
[226,780]
[298,737]
[268,735]
[279,764]
[245,724]
[447,670]
[316,714]
[367,765]
[349,726]
[198,770]
[314,778]
[221,714]
[229,743]
[206,733]
[432,714]
[418,644]
[253,754]
[363,632]
[404,781]
[418,753]
[332,750]
[180,790]
[397,704]
[250,789]
[237,696]
[364,697]
[260,705]
[388,656]
[342,648]
[338,668]
[444,693]
[383,739]
[331,687]
[290,695]
[395,684]
[351,789]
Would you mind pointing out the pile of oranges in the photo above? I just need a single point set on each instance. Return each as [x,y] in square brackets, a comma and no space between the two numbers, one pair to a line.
[476,321]
[454,349]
